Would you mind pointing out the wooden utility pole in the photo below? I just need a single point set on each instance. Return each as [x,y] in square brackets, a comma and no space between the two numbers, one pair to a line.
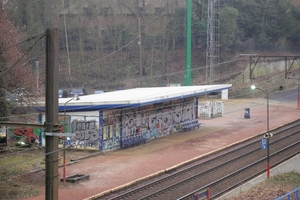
[51,124]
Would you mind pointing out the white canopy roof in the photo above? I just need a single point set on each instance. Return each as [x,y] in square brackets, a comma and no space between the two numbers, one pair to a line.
[136,97]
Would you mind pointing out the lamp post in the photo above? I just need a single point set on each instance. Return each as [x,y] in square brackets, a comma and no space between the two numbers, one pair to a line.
[140,46]
[64,142]
[267,135]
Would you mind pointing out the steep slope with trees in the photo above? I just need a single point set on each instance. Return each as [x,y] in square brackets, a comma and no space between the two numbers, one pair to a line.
[106,44]
[15,73]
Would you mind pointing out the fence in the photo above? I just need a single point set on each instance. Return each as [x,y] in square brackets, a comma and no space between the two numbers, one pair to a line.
[294,194]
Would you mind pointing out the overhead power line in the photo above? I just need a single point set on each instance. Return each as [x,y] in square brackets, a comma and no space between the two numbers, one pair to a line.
[112,53]
[26,52]
[26,40]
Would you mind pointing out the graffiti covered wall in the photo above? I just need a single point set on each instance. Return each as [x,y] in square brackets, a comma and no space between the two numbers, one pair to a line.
[27,135]
[86,133]
[104,130]
[111,129]
[151,121]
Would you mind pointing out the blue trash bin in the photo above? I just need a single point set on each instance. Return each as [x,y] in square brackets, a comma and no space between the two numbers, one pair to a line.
[247,113]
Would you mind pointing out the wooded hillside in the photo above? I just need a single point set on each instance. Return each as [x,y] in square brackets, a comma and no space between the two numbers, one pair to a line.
[105,44]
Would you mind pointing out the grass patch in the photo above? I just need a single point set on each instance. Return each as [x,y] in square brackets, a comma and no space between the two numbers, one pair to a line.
[273,188]
[14,175]
[291,178]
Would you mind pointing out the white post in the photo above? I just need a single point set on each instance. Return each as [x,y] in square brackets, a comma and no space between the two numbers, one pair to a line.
[37,73]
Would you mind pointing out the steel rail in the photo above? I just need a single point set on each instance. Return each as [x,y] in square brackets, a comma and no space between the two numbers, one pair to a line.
[243,170]
[279,134]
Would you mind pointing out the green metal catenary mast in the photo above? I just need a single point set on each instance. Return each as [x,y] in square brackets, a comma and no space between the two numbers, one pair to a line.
[188,61]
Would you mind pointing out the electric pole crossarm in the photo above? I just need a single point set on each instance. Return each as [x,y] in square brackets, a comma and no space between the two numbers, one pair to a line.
[14,124]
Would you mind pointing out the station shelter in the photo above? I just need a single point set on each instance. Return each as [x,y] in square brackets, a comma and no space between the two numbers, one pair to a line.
[104,120]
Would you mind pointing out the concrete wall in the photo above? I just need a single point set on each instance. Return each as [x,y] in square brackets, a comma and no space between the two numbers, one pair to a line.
[266,75]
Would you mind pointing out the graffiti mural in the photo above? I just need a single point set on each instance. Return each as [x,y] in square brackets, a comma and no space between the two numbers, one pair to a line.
[111,131]
[86,133]
[27,135]
[204,110]
[208,109]
[151,121]
[219,107]
[158,121]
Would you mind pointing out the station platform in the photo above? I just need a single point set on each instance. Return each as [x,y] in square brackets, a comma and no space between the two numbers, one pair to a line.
[114,169]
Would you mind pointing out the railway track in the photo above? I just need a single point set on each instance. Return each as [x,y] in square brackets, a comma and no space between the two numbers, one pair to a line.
[221,171]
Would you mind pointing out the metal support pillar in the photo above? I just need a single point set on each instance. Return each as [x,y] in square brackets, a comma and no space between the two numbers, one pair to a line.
[51,124]
[188,42]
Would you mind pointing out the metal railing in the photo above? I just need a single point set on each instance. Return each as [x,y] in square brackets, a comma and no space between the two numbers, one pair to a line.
[293,194]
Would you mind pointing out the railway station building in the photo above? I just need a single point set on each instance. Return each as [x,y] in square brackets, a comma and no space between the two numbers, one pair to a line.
[116,119]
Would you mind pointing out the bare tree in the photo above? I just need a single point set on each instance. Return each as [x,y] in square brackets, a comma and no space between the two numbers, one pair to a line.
[15,72]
